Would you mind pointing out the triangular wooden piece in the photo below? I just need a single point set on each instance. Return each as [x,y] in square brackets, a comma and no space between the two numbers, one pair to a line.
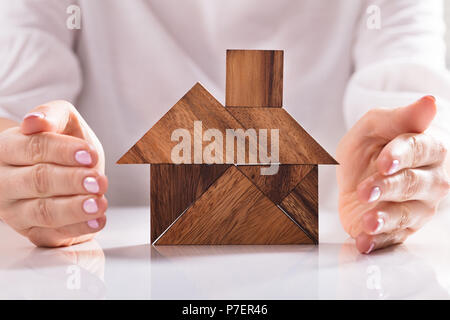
[174,188]
[196,105]
[302,204]
[296,146]
[279,185]
[233,211]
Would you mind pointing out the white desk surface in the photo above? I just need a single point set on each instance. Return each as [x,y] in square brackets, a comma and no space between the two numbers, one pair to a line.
[121,264]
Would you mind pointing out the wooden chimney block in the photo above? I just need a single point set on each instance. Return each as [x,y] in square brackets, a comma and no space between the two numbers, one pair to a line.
[254,78]
[234,203]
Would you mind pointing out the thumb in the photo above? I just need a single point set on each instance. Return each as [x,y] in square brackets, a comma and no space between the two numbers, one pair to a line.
[56,116]
[414,118]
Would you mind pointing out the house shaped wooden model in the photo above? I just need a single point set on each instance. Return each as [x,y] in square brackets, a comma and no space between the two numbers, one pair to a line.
[230,200]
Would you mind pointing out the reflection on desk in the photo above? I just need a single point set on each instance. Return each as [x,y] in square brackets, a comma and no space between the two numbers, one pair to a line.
[122,264]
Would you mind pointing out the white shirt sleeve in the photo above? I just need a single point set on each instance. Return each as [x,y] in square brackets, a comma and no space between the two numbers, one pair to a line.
[401,61]
[36,53]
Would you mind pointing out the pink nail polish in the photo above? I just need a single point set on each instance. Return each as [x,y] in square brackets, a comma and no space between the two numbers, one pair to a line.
[90,206]
[93,224]
[380,225]
[34,115]
[83,157]
[430,97]
[91,185]
[372,245]
[375,194]
[394,167]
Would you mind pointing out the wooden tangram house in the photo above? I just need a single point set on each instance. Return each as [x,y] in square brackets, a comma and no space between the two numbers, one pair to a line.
[232,202]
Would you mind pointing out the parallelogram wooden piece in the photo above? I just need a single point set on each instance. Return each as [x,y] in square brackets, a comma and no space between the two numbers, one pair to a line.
[302,204]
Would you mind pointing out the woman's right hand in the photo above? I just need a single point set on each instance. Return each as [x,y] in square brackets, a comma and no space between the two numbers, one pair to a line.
[52,180]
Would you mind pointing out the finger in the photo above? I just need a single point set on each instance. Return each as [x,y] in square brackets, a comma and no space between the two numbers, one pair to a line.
[389,123]
[47,147]
[368,243]
[410,151]
[390,216]
[428,184]
[67,235]
[48,180]
[56,116]
[55,212]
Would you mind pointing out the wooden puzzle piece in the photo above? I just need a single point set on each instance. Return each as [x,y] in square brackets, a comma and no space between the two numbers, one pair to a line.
[296,146]
[302,204]
[254,78]
[174,188]
[276,187]
[197,203]
[233,211]
[196,105]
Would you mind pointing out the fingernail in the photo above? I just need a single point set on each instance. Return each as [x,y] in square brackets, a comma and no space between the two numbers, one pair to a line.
[91,185]
[431,97]
[93,224]
[394,167]
[90,206]
[375,194]
[83,157]
[380,225]
[34,115]
[372,245]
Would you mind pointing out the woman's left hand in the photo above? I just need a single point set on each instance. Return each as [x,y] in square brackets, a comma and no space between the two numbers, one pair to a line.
[391,176]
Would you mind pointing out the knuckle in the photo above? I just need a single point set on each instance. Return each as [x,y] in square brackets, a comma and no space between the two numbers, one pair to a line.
[369,118]
[441,150]
[417,149]
[40,179]
[37,148]
[43,215]
[411,181]
[405,216]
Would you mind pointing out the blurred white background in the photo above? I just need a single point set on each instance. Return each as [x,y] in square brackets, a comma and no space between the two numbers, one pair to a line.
[447,35]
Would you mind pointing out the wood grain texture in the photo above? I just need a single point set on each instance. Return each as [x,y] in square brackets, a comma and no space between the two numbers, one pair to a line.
[302,204]
[296,146]
[196,105]
[279,185]
[254,78]
[233,211]
[173,188]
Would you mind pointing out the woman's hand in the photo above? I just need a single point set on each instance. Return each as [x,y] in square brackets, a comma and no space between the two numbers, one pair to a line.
[52,177]
[392,176]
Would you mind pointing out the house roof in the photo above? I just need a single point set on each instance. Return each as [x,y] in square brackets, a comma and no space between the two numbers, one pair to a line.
[296,146]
